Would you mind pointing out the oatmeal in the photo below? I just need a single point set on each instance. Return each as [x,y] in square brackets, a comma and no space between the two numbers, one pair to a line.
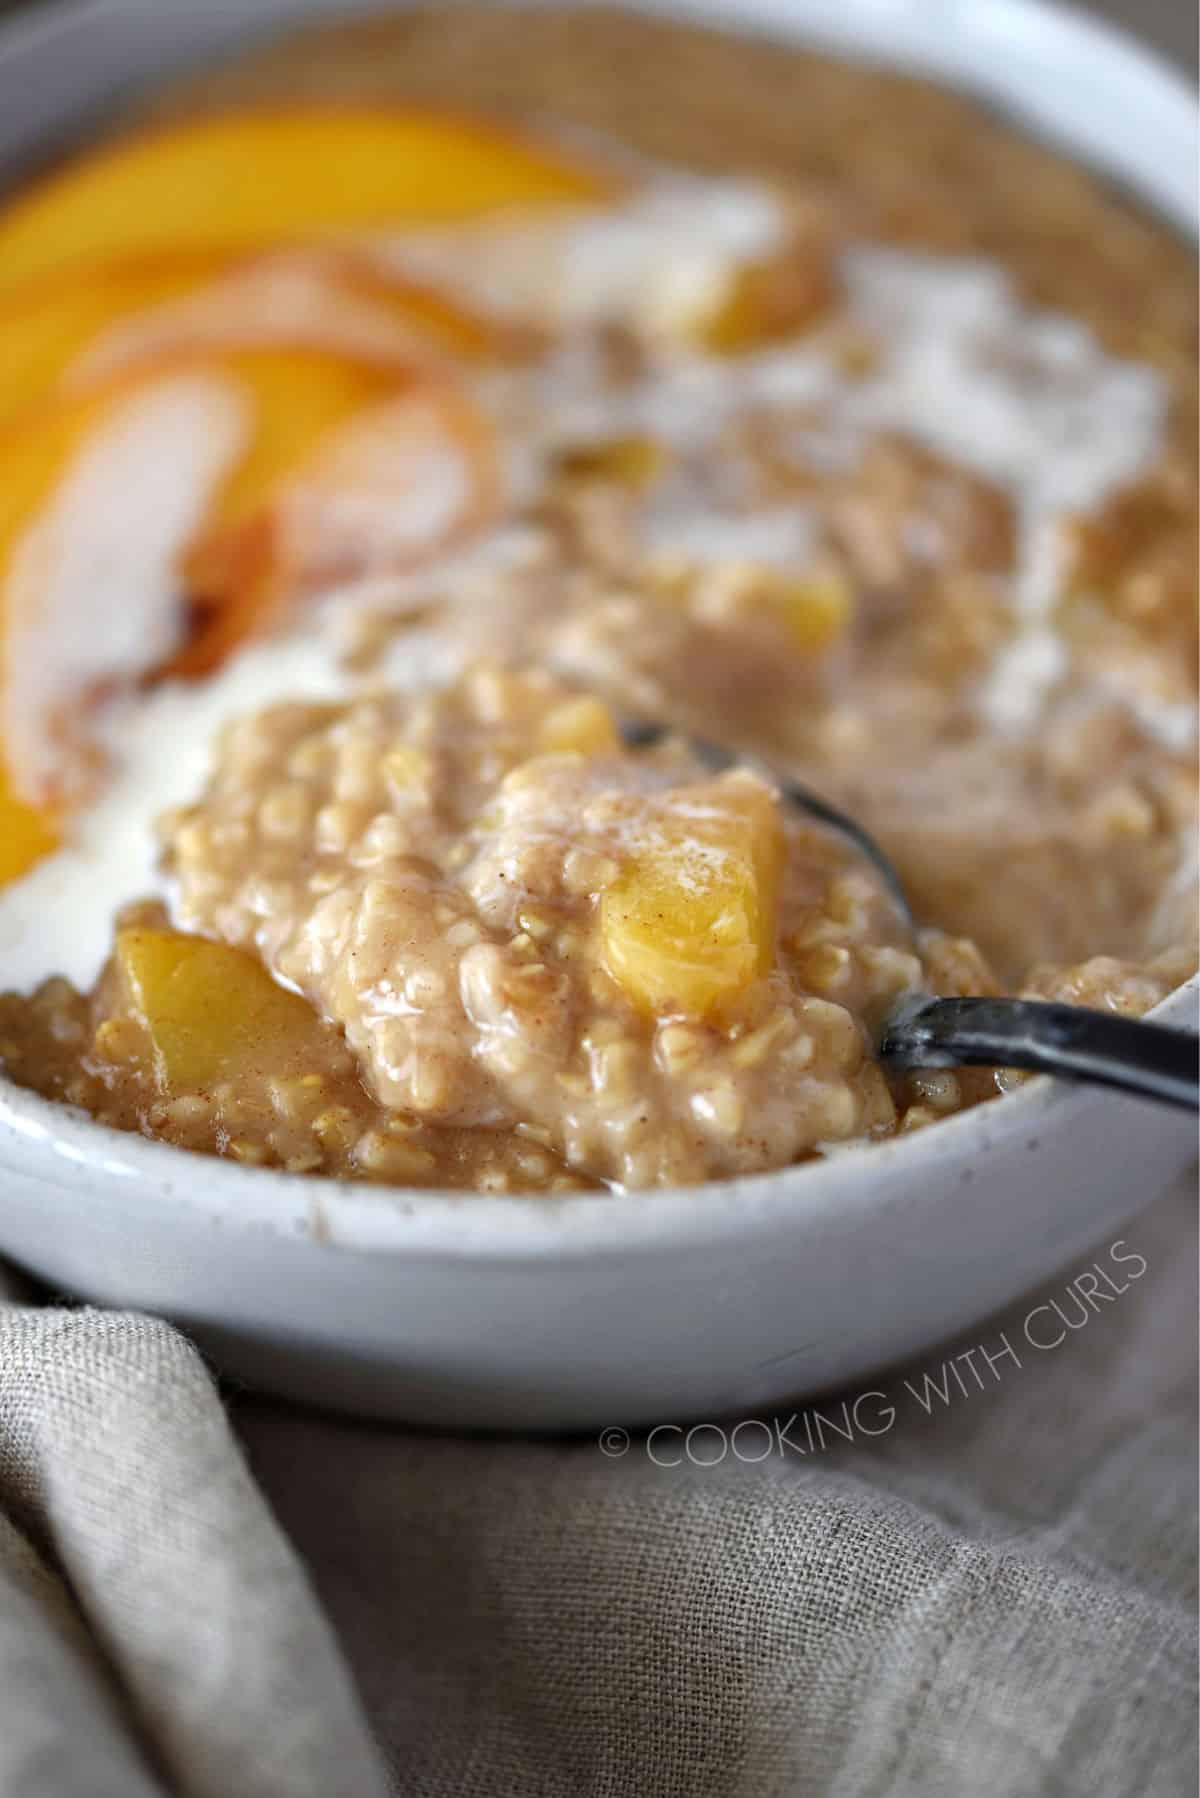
[517,923]
[336,857]
[193,1042]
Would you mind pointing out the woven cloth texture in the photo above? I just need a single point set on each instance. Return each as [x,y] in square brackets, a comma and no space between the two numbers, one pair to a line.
[991,1591]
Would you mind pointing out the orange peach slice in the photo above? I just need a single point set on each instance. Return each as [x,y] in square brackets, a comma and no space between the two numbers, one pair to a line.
[395,482]
[44,325]
[326,298]
[97,497]
[239,480]
[26,834]
[63,331]
[253,178]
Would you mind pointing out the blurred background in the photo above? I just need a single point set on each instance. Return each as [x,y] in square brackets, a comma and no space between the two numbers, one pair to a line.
[1172,26]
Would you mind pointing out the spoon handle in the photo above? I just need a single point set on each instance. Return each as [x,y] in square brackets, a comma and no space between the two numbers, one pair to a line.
[1068,1040]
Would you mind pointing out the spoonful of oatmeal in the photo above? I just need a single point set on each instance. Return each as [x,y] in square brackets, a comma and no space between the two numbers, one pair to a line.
[922,1030]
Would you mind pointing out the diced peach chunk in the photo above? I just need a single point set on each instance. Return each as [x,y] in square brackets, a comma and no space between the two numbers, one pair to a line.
[582,726]
[211,1013]
[252,178]
[769,301]
[690,923]
[815,607]
[810,610]
[633,461]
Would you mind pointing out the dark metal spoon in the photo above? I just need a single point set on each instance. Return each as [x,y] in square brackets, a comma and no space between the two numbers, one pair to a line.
[1044,1037]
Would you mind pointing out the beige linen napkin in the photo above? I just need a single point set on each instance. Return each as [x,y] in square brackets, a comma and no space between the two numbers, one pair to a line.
[157,1633]
[990,1591]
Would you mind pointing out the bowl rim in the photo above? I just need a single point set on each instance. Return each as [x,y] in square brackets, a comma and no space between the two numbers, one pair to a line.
[455,1226]
[441,1225]
[1040,60]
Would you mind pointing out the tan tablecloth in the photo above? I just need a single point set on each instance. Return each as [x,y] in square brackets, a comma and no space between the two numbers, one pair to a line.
[993,1592]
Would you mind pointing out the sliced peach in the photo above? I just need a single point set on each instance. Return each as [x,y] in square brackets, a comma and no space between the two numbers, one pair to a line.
[62,330]
[333,299]
[97,497]
[236,480]
[32,458]
[211,1013]
[45,325]
[299,396]
[29,467]
[26,833]
[253,178]
[380,487]
[690,922]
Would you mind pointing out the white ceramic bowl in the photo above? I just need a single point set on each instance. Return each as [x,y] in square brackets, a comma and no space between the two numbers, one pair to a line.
[534,1314]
